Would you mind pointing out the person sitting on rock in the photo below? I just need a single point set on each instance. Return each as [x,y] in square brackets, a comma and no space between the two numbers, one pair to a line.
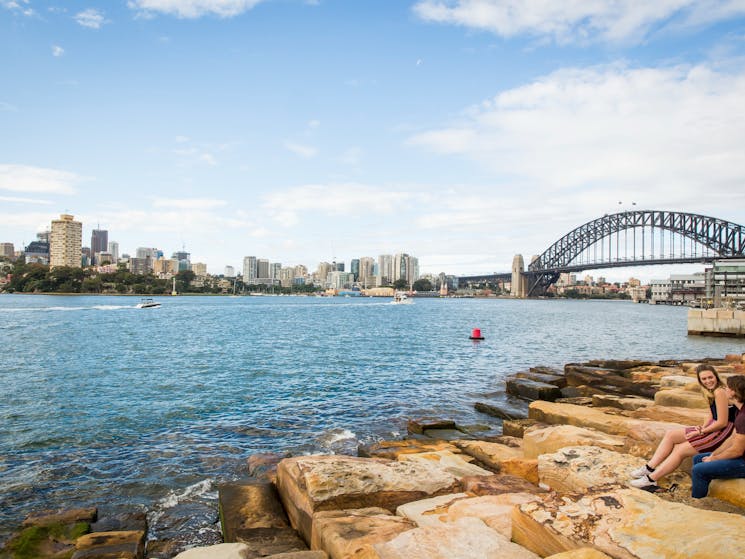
[680,443]
[727,461]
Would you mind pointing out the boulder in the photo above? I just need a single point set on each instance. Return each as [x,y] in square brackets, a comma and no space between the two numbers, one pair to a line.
[680,397]
[580,468]
[263,466]
[547,378]
[251,513]
[620,402]
[429,512]
[502,411]
[582,553]
[219,551]
[730,490]
[516,427]
[391,450]
[466,538]
[308,484]
[550,439]
[49,534]
[351,533]
[122,545]
[418,426]
[532,390]
[607,380]
[627,524]
[681,416]
[498,484]
[454,464]
[677,381]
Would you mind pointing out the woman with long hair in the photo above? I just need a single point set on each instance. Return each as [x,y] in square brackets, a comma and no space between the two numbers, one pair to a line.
[680,443]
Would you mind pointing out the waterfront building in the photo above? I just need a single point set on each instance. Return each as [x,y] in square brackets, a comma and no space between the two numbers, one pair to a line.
[367,272]
[354,267]
[286,276]
[199,269]
[340,280]
[385,269]
[301,272]
[262,270]
[7,250]
[274,269]
[113,248]
[99,243]
[660,291]
[725,282]
[229,272]
[322,273]
[66,242]
[250,270]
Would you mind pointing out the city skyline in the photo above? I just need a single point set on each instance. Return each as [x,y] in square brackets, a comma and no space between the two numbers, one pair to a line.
[313,130]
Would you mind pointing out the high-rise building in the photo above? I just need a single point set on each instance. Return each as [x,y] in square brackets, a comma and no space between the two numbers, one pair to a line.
[199,269]
[229,272]
[262,269]
[99,243]
[367,272]
[354,267]
[114,250]
[66,242]
[7,250]
[385,269]
[250,270]
[274,270]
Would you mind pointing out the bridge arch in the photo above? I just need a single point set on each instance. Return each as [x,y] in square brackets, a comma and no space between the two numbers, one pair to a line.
[723,239]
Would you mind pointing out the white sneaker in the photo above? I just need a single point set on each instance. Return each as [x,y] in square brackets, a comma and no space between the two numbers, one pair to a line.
[639,472]
[643,482]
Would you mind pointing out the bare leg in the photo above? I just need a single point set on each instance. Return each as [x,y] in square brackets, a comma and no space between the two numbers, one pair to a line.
[679,453]
[671,438]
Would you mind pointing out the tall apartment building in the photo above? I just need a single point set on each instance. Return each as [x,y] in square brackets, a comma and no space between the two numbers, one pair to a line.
[405,267]
[262,269]
[229,272]
[99,243]
[199,269]
[113,248]
[7,250]
[367,271]
[322,273]
[354,267]
[274,270]
[250,270]
[66,242]
[385,269]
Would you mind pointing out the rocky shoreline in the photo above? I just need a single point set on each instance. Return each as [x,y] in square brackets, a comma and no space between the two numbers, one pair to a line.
[554,484]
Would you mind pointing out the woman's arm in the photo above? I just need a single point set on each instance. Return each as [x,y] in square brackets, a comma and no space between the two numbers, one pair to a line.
[721,401]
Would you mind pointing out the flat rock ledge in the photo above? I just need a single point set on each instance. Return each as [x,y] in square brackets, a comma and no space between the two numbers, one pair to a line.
[556,487]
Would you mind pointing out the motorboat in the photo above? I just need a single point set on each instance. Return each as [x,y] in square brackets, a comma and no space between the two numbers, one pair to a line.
[147,303]
[400,298]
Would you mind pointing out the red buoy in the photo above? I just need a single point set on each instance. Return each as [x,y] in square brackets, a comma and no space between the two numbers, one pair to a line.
[476,334]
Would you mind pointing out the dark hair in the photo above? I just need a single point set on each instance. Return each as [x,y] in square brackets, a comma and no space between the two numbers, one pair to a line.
[737,385]
[708,394]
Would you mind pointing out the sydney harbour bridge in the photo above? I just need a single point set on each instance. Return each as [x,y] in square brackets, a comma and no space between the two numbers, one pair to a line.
[626,239]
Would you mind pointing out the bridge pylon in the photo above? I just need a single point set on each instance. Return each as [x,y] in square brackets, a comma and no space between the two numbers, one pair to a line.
[519,284]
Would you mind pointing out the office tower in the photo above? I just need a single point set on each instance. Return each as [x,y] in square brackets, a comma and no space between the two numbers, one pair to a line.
[324,268]
[7,250]
[385,269]
[66,242]
[262,269]
[199,269]
[229,272]
[367,271]
[274,269]
[354,267]
[400,268]
[146,252]
[413,270]
[114,250]
[99,243]
[250,270]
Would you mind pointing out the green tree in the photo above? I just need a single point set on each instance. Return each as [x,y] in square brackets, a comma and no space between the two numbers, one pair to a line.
[400,284]
[423,285]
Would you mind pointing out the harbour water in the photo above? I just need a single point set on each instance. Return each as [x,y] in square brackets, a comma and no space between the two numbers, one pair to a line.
[107,405]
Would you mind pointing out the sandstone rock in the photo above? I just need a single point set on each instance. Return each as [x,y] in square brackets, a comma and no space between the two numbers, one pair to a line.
[122,545]
[121,521]
[219,551]
[730,490]
[627,524]
[467,538]
[532,390]
[607,380]
[251,513]
[49,534]
[502,458]
[454,464]
[263,466]
[317,554]
[446,434]
[648,432]
[680,397]
[494,510]
[346,534]
[498,484]
[733,357]
[418,426]
[516,427]
[576,400]
[308,484]
[677,381]
[391,450]
[557,380]
[579,468]
[681,416]
[552,438]
[620,402]
[502,411]
[72,516]
[582,553]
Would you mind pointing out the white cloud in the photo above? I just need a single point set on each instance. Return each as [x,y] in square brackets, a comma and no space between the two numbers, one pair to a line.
[655,136]
[21,6]
[194,8]
[336,200]
[189,203]
[57,51]
[23,178]
[565,22]
[91,18]
[303,151]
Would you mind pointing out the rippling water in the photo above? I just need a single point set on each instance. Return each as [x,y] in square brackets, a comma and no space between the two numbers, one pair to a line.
[105,404]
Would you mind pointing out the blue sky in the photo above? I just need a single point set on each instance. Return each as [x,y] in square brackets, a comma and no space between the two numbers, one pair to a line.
[461,132]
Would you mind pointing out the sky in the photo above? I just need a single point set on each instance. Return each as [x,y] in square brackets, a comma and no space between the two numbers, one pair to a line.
[462,132]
